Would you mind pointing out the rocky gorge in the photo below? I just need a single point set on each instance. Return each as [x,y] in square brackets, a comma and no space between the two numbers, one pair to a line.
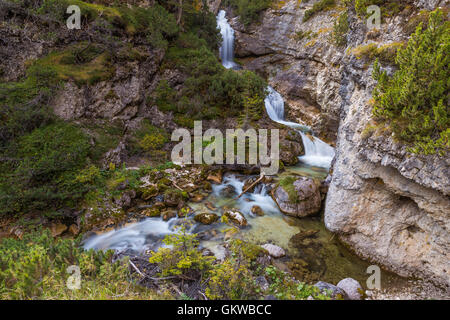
[328,214]
[396,204]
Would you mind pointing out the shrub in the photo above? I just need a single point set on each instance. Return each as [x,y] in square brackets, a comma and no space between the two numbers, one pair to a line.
[322,5]
[248,10]
[210,91]
[36,268]
[340,29]
[385,53]
[414,100]
[44,174]
[183,259]
[148,138]
[388,8]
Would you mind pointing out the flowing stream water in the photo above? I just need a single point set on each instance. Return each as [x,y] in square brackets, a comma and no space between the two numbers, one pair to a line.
[321,257]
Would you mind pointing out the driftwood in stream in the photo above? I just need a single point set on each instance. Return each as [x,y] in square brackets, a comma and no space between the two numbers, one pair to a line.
[252,185]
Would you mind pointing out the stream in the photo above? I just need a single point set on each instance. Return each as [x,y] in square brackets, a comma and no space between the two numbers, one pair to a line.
[321,257]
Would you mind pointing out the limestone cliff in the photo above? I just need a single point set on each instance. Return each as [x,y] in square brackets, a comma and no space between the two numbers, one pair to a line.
[390,206]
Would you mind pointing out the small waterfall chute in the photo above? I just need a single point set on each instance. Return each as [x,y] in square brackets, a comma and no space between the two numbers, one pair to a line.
[317,152]
[227,48]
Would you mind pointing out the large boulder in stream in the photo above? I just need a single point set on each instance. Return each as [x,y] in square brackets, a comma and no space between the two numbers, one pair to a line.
[206,218]
[298,197]
[235,217]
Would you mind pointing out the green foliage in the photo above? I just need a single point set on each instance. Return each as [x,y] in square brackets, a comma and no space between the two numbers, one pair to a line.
[388,8]
[249,10]
[82,63]
[44,173]
[210,91]
[287,183]
[322,5]
[283,287]
[234,278]
[148,138]
[36,268]
[414,101]
[154,22]
[340,29]
[385,53]
[251,111]
[183,259]
[300,35]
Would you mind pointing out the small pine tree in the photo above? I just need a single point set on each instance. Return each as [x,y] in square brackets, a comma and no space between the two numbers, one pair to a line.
[414,101]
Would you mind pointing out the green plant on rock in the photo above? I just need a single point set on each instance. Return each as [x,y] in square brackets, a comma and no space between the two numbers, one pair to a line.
[183,259]
[322,5]
[283,287]
[340,29]
[249,10]
[287,183]
[36,268]
[414,101]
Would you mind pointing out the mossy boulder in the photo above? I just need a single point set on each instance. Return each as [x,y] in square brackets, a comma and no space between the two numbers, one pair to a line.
[152,212]
[298,196]
[173,197]
[235,217]
[206,218]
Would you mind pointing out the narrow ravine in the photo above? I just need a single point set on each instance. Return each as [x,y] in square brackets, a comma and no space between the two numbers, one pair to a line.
[323,258]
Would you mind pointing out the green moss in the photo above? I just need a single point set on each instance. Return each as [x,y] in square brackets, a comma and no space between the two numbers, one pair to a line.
[322,5]
[414,101]
[372,51]
[92,67]
[340,29]
[287,183]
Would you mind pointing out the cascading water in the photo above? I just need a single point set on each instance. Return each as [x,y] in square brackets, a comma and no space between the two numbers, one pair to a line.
[272,227]
[227,47]
[317,152]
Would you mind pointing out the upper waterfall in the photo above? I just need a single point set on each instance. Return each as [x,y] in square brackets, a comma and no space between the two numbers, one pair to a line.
[227,47]
[317,152]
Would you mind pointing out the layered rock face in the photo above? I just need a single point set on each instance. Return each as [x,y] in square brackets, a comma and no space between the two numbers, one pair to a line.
[390,206]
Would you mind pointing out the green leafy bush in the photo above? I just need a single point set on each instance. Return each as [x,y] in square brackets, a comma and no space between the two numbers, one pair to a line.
[249,10]
[210,91]
[414,101]
[322,5]
[388,7]
[36,268]
[43,174]
[340,29]
[183,259]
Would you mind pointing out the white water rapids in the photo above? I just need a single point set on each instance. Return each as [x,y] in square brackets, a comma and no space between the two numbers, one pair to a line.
[317,152]
[147,234]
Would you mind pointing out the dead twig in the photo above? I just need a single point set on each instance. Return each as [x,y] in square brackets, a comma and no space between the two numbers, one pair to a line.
[252,185]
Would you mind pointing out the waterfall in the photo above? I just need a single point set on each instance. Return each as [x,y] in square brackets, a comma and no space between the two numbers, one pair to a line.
[317,152]
[227,47]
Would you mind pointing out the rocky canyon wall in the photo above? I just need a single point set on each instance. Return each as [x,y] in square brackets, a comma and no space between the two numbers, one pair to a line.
[390,206]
